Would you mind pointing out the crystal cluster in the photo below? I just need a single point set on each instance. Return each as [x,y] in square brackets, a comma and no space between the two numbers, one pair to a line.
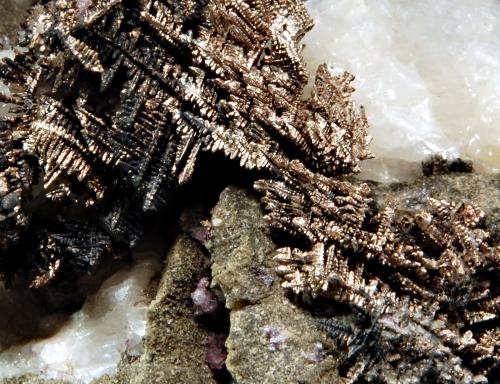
[420,287]
[112,103]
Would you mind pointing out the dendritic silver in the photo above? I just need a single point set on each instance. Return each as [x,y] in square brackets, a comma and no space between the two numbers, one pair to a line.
[111,104]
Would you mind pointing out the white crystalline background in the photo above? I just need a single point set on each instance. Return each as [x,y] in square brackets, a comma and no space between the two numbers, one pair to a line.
[428,73]
[112,322]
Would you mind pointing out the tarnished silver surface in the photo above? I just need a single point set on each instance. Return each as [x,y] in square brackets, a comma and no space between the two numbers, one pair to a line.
[113,101]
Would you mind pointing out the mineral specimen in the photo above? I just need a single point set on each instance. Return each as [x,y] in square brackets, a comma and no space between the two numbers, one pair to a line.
[112,102]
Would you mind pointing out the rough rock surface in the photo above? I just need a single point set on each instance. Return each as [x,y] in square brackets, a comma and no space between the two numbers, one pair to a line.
[241,250]
[270,339]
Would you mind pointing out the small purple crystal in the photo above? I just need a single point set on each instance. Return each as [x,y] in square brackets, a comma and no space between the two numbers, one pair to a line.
[204,300]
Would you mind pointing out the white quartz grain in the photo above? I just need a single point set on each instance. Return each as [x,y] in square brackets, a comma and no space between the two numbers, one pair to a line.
[112,322]
[428,73]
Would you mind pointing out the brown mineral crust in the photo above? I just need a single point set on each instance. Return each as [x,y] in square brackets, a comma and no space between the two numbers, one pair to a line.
[270,339]
[244,278]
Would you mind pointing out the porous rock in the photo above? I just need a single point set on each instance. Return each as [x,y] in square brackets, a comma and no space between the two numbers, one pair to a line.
[173,349]
[270,339]
[240,249]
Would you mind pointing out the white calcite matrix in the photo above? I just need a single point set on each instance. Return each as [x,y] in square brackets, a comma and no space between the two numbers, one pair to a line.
[428,73]
[112,322]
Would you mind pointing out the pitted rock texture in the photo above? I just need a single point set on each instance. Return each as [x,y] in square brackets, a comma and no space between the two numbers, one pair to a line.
[270,339]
